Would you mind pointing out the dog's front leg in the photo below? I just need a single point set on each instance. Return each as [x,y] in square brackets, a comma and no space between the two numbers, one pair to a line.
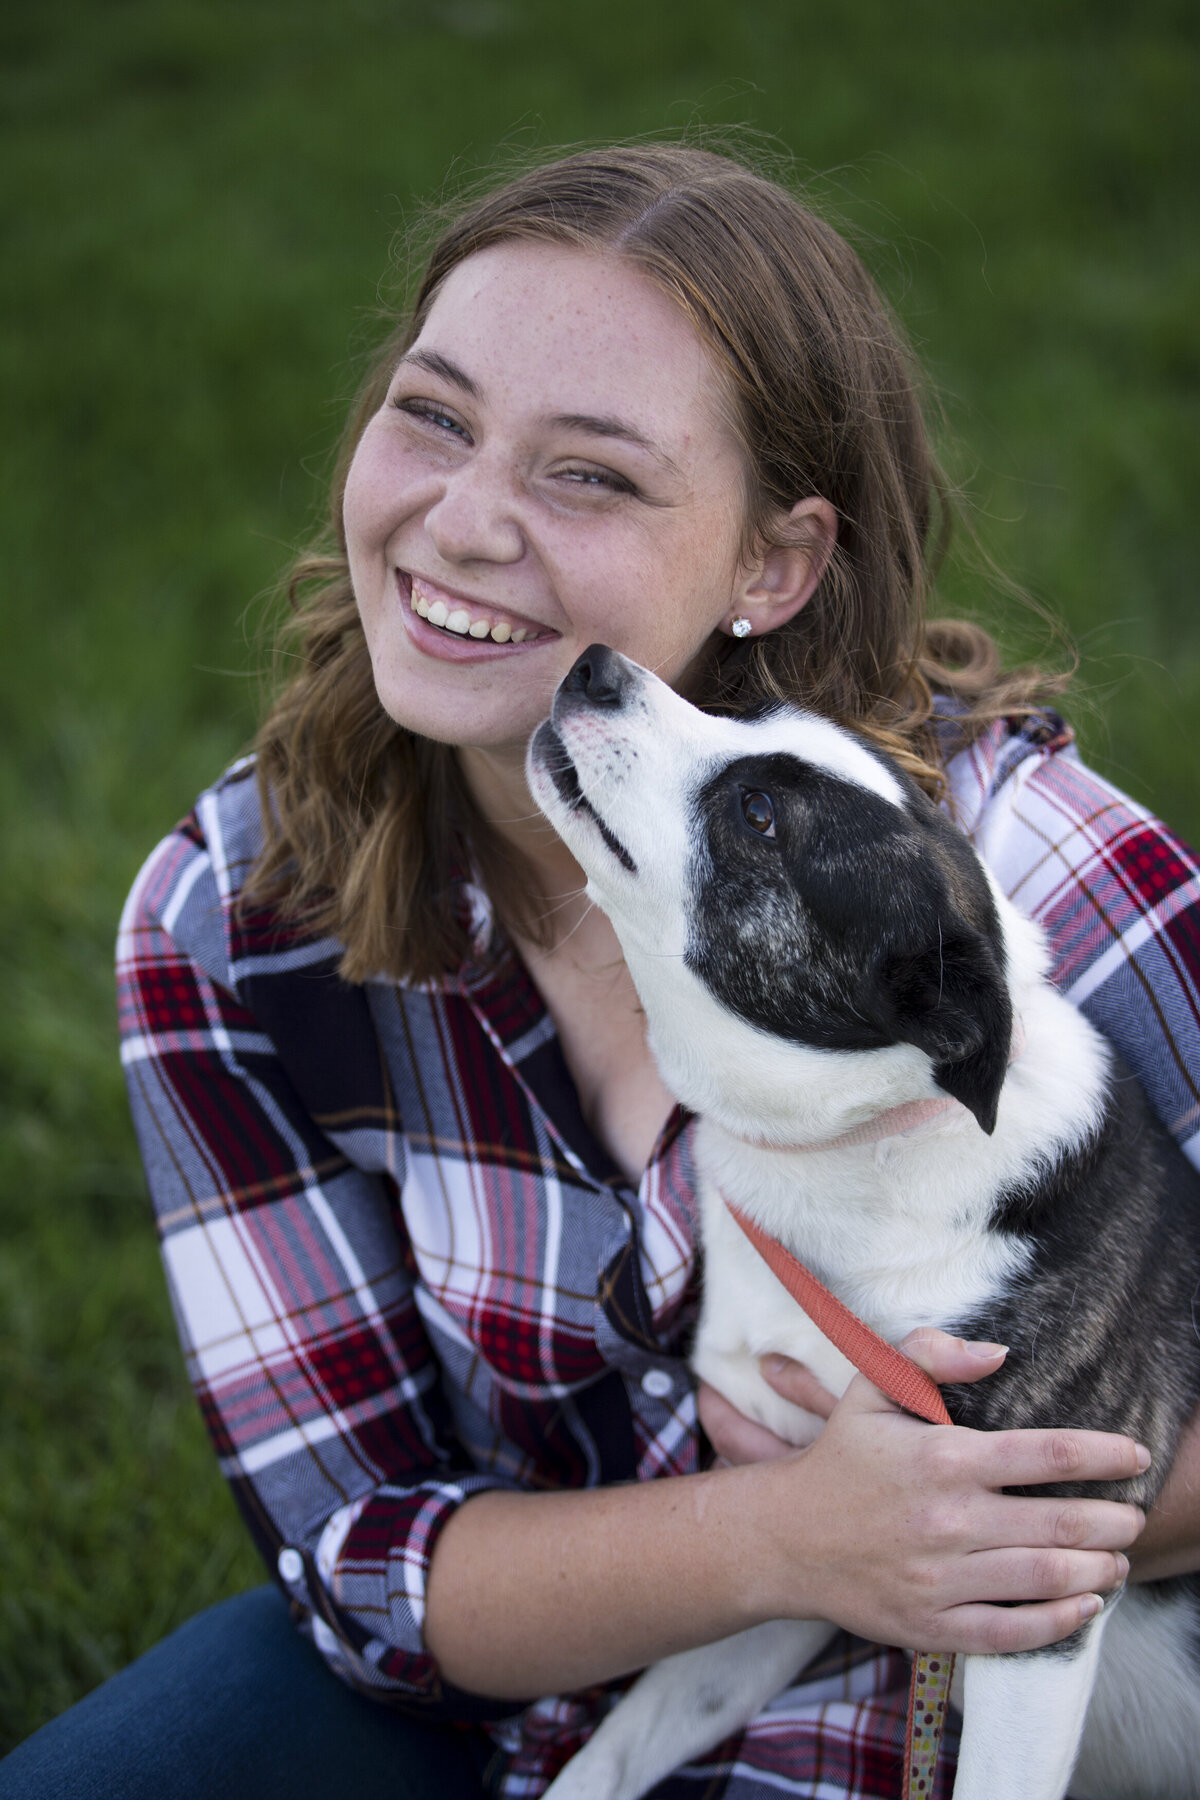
[1023,1718]
[684,1705]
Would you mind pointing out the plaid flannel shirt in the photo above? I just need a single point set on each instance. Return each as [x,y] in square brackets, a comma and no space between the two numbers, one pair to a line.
[404,1271]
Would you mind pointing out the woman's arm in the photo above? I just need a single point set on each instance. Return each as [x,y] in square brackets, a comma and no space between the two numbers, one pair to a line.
[291,1285]
[886,1525]
[1170,1544]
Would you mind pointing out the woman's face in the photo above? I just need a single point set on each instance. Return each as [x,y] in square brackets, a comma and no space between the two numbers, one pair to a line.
[551,468]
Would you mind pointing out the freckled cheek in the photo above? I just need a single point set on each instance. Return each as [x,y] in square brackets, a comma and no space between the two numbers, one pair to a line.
[382,489]
[657,597]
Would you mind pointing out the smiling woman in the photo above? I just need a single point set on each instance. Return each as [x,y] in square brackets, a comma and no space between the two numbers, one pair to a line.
[427,1208]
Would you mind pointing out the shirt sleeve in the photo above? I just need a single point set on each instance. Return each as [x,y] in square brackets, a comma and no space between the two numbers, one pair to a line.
[1118,895]
[293,1287]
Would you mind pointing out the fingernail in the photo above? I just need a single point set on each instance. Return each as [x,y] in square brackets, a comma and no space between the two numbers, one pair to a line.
[985,1352]
[1122,1564]
[1143,1458]
[775,1364]
[1090,1605]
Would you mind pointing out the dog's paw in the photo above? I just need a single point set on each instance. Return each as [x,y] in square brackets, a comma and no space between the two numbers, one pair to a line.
[586,1777]
[740,1381]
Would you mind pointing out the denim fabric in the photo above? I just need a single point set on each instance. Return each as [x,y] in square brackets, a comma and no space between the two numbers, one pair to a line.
[236,1705]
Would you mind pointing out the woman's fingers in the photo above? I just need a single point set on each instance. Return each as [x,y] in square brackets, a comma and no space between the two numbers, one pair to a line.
[1004,1576]
[1060,1524]
[1016,1458]
[1001,1459]
[949,1358]
[1011,1458]
[989,1630]
[797,1383]
[735,1438]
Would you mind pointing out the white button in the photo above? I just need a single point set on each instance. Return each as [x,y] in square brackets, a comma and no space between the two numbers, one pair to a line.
[657,1383]
[291,1564]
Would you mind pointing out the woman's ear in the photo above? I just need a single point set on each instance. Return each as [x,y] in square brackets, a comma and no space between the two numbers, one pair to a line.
[773,588]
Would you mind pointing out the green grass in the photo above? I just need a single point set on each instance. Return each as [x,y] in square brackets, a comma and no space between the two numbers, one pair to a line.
[196,203]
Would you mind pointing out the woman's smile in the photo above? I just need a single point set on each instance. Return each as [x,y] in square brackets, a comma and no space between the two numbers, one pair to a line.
[471,622]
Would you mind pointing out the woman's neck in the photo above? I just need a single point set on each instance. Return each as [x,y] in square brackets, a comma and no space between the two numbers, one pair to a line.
[499,789]
[581,975]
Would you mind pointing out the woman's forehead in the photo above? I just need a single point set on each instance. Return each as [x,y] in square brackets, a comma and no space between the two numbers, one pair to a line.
[577,333]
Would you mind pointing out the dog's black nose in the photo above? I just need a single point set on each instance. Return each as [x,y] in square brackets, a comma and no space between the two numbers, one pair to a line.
[599,676]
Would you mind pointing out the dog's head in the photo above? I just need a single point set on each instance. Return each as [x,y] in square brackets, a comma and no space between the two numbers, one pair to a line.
[778,872]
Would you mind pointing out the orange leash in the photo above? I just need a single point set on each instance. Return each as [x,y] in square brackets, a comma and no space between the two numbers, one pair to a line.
[897,1376]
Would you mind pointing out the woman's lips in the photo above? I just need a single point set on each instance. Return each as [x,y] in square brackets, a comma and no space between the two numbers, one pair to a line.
[456,617]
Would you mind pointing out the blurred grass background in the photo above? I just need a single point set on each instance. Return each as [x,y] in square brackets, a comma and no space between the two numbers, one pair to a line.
[196,202]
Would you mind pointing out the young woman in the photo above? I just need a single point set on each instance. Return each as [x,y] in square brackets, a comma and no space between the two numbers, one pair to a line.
[425,1204]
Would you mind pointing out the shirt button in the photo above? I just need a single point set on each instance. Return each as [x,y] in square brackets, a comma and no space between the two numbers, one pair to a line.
[657,1383]
[290,1564]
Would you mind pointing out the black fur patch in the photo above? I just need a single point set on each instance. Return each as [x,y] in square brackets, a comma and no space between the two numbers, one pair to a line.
[859,924]
[1102,1329]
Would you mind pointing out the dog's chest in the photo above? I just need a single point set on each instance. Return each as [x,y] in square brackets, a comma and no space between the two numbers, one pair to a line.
[896,1265]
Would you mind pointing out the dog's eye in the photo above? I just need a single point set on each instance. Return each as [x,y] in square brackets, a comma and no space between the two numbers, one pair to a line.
[758,812]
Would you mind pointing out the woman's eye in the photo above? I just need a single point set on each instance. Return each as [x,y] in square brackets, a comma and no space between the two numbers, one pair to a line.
[758,812]
[430,414]
[600,480]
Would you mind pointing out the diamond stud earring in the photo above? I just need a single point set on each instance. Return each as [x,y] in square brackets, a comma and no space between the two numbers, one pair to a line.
[741,627]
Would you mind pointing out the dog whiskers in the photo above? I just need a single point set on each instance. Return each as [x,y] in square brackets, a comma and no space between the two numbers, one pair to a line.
[549,914]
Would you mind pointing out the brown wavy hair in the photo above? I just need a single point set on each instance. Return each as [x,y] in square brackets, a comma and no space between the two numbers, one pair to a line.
[367,824]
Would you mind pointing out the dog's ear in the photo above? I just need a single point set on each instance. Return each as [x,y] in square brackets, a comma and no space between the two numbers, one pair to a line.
[952,1002]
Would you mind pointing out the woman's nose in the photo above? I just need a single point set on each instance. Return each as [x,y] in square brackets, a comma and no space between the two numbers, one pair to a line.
[475,517]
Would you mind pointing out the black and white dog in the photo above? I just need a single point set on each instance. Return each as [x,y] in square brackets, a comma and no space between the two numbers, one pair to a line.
[816,944]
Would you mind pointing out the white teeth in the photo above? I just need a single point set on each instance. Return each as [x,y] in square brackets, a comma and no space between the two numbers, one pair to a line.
[460,621]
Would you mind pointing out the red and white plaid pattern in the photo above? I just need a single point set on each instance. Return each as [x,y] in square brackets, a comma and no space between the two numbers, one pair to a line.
[404,1271]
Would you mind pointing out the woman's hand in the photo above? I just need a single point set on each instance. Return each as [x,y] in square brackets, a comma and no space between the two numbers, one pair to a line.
[906,1539]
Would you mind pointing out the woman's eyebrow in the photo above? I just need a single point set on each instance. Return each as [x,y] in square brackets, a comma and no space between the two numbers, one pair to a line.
[437,364]
[602,426]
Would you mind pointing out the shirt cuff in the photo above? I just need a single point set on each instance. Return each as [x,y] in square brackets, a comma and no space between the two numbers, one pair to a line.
[372,1561]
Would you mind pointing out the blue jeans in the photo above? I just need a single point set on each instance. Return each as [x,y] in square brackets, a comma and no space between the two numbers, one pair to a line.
[236,1705]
